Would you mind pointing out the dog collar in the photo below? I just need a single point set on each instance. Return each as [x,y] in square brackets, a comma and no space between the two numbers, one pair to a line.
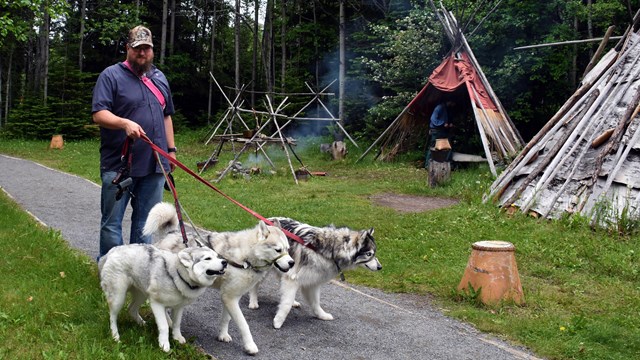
[186,282]
[259,268]
[268,264]
[236,265]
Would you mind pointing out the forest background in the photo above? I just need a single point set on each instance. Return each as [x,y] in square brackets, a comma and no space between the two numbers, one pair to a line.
[51,52]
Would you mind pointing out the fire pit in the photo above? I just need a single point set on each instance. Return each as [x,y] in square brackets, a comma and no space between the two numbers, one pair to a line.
[302,174]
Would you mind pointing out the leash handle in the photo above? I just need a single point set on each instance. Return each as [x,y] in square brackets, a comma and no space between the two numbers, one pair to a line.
[208,184]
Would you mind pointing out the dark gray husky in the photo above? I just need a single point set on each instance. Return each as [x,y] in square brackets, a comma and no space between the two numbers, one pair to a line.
[334,249]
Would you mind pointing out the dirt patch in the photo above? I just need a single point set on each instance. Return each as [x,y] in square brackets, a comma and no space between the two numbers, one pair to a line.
[412,203]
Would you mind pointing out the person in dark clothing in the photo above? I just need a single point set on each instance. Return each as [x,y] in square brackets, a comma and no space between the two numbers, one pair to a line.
[439,127]
[131,99]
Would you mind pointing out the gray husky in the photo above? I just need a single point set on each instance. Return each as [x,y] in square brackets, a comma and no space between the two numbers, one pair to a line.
[167,279]
[335,249]
[250,253]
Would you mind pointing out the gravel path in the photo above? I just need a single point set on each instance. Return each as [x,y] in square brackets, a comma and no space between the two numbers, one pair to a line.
[369,324]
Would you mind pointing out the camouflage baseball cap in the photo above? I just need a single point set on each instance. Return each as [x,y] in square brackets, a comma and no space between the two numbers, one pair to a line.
[140,35]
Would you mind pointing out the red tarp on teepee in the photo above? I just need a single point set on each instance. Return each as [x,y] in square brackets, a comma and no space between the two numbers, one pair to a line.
[448,77]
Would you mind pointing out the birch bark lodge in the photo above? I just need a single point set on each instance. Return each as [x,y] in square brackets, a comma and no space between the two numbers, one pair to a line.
[586,159]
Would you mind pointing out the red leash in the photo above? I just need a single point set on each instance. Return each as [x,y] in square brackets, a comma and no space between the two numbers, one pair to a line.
[202,180]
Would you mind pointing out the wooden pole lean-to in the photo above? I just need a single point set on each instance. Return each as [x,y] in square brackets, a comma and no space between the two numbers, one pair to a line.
[570,166]
[603,105]
[537,142]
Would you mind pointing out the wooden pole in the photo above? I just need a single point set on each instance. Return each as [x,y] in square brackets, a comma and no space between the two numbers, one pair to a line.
[599,51]
[393,123]
[570,42]
[284,145]
[487,120]
[483,137]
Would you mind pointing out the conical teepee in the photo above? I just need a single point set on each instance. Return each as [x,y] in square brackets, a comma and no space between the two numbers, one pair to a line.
[459,76]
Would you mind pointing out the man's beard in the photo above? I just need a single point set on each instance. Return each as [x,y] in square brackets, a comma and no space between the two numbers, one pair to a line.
[141,69]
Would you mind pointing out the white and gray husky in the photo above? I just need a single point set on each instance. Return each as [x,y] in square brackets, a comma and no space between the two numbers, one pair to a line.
[335,249]
[167,279]
[250,254]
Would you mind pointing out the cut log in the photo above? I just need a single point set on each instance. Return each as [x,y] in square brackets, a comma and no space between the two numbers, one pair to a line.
[439,172]
[602,138]
[338,150]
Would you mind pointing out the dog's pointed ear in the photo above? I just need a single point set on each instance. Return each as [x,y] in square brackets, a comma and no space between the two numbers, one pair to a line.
[276,223]
[365,233]
[185,258]
[263,231]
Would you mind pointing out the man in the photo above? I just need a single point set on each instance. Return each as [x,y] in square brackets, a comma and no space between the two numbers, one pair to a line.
[131,99]
[439,127]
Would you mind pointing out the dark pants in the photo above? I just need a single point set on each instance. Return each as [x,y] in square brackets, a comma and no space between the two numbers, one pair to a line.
[434,134]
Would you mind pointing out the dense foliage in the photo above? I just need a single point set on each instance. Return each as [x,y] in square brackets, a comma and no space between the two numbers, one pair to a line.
[391,48]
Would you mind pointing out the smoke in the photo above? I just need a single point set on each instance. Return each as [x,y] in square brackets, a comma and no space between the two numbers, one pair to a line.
[256,160]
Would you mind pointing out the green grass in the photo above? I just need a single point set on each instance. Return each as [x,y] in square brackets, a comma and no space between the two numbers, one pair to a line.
[51,305]
[581,287]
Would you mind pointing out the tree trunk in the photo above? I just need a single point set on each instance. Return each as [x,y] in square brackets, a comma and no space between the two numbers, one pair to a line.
[267,46]
[337,135]
[42,50]
[83,13]
[237,47]
[254,61]
[7,97]
[316,55]
[172,31]
[283,44]
[163,38]
[439,172]
[212,49]
[0,92]
[42,67]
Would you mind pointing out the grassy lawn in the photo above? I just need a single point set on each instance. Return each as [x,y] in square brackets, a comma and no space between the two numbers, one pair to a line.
[581,287]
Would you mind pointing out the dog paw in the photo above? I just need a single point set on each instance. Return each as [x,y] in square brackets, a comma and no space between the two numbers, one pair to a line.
[180,339]
[295,304]
[325,316]
[254,305]
[251,349]
[165,346]
[277,323]
[224,338]
[116,337]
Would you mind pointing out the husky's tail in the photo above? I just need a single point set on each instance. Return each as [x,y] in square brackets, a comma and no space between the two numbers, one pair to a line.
[162,219]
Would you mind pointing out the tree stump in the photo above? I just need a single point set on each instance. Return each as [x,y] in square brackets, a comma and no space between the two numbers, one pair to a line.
[439,172]
[338,150]
[56,142]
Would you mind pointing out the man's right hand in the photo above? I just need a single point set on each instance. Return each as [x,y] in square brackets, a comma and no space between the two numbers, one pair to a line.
[133,129]
[107,119]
